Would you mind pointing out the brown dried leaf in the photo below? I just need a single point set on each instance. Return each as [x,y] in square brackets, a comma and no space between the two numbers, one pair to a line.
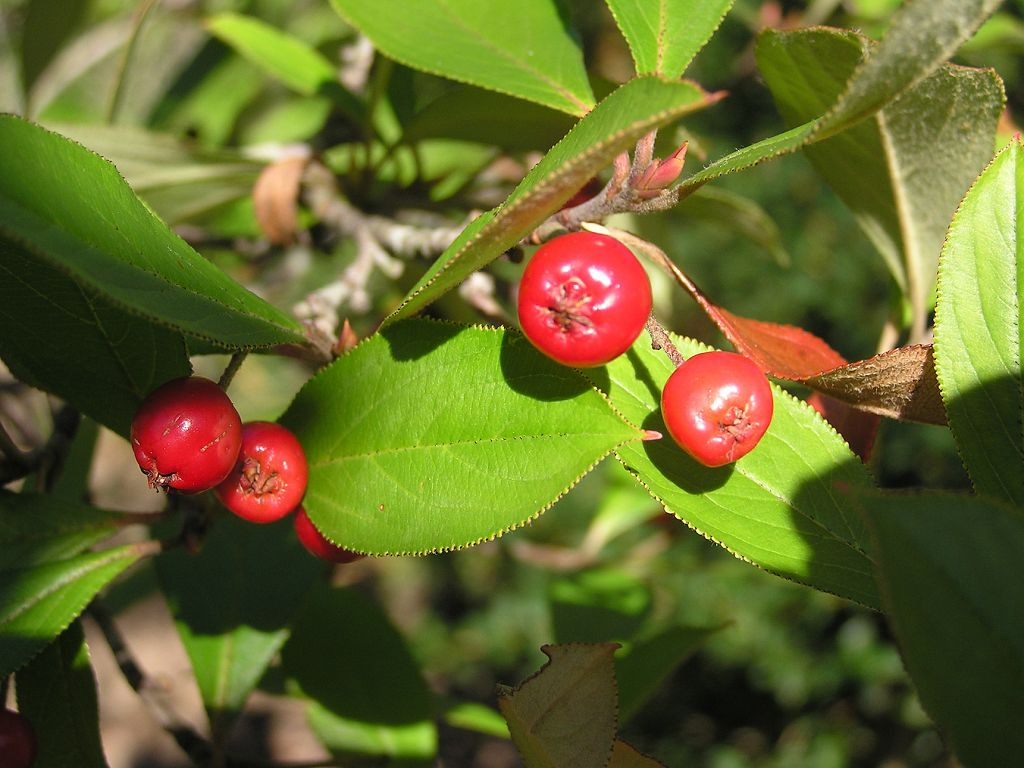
[276,199]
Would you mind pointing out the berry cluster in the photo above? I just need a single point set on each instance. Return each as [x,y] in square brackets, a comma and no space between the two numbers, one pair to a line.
[188,437]
[584,298]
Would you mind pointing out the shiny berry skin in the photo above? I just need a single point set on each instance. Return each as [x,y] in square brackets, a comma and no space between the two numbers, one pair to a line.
[717,406]
[583,299]
[17,740]
[269,478]
[318,544]
[186,435]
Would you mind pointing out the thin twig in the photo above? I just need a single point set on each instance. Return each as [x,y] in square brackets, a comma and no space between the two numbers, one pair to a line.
[153,695]
[231,369]
[661,340]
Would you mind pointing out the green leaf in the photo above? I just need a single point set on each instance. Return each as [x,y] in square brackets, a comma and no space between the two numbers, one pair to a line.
[470,716]
[665,36]
[72,211]
[37,603]
[598,605]
[232,603]
[430,436]
[565,715]
[902,172]
[626,756]
[369,697]
[978,320]
[47,26]
[739,214]
[522,49]
[777,506]
[65,338]
[37,529]
[949,570]
[922,36]
[284,57]
[613,126]
[57,693]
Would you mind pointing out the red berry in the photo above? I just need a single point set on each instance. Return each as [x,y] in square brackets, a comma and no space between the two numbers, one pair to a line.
[317,543]
[269,478]
[17,740]
[583,299]
[717,406]
[186,435]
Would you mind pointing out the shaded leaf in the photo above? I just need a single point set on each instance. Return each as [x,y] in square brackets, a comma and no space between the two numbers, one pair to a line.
[625,756]
[233,603]
[36,529]
[777,506]
[368,696]
[978,318]
[902,172]
[72,211]
[57,693]
[522,49]
[949,568]
[37,603]
[514,428]
[665,36]
[565,715]
[611,127]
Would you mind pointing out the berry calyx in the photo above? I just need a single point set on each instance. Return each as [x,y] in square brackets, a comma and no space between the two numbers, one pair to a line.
[186,435]
[17,740]
[717,406]
[269,477]
[583,299]
[317,544]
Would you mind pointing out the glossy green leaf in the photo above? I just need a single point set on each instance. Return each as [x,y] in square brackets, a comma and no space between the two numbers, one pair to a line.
[36,529]
[664,36]
[37,603]
[902,172]
[949,570]
[430,436]
[777,507]
[613,126]
[368,696]
[522,49]
[72,211]
[978,320]
[62,337]
[232,603]
[921,37]
[57,693]
[565,715]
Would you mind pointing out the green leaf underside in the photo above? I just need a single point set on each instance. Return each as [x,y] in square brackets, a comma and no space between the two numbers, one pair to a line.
[38,603]
[70,209]
[949,570]
[63,337]
[232,604]
[523,49]
[664,36]
[903,172]
[613,126]
[57,693]
[778,507]
[921,37]
[430,436]
[978,328]
[367,694]
[565,716]
[37,529]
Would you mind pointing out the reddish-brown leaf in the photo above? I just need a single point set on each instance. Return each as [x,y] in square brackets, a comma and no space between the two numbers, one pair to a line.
[276,199]
[859,428]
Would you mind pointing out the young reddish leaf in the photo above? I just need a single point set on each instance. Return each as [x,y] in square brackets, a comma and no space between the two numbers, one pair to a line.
[566,714]
[857,427]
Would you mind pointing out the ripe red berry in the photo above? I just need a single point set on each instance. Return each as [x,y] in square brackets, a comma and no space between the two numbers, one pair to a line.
[17,740]
[186,435]
[717,406]
[269,478]
[583,299]
[317,543]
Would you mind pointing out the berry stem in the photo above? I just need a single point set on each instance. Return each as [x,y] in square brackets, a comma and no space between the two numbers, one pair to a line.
[232,368]
[661,340]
